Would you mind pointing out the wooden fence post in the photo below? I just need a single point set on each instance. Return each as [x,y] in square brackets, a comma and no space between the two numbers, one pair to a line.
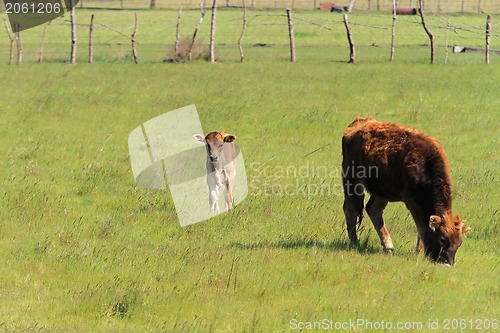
[488,36]
[134,47]
[91,39]
[393,29]
[72,58]
[19,46]
[448,25]
[352,47]
[202,9]
[243,29]
[177,33]
[291,34]
[429,33]
[11,52]
[351,6]
[212,31]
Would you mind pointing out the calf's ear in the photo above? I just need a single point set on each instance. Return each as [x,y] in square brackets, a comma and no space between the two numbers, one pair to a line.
[435,222]
[229,138]
[465,229]
[198,137]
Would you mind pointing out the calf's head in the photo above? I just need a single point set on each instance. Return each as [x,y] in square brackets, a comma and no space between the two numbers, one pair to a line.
[214,142]
[444,237]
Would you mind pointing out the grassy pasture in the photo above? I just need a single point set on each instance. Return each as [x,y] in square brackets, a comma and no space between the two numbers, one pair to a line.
[84,250]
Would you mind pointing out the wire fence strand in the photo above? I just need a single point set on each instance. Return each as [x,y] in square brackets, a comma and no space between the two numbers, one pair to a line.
[319,35]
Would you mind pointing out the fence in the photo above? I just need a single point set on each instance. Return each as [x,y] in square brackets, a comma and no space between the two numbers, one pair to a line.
[318,35]
[434,6]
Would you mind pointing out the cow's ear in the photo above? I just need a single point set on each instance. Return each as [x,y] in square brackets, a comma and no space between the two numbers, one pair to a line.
[198,137]
[465,229]
[229,138]
[434,222]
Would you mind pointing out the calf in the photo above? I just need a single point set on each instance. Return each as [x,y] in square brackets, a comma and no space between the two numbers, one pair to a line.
[221,166]
[397,163]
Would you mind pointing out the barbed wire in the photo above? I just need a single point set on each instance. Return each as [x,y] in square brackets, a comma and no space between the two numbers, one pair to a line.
[434,6]
[268,28]
[431,7]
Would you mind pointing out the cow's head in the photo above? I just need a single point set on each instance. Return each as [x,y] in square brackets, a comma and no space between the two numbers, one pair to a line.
[444,237]
[214,142]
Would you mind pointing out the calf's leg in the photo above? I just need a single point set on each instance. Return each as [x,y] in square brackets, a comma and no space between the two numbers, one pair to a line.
[228,196]
[214,200]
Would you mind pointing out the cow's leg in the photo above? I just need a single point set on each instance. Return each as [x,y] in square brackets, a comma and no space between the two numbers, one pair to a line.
[353,210]
[420,245]
[420,222]
[228,193]
[213,190]
[228,196]
[375,208]
[214,200]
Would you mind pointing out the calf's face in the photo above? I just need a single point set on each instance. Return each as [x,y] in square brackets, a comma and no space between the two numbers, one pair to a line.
[214,142]
[445,237]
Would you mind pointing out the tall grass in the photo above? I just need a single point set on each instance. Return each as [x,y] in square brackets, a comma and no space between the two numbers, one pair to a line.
[84,250]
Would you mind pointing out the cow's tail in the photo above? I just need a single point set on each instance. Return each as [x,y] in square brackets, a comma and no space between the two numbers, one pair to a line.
[360,212]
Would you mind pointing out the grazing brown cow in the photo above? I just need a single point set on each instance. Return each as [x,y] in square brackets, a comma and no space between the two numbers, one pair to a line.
[397,163]
[221,166]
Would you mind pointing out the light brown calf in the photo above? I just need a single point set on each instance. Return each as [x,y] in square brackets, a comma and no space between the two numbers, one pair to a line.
[221,166]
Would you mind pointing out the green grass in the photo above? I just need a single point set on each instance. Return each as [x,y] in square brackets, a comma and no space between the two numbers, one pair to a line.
[84,250]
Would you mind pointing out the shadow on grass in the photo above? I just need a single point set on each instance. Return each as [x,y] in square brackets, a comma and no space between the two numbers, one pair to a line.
[335,245]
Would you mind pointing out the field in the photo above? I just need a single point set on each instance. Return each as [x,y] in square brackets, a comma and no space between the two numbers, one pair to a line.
[84,250]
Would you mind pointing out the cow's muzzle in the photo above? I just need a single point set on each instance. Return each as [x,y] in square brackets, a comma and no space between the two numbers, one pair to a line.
[214,158]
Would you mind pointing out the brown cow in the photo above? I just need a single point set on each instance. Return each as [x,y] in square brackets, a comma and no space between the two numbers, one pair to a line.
[397,163]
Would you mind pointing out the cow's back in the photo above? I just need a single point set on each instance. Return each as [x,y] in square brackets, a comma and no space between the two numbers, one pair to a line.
[388,159]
